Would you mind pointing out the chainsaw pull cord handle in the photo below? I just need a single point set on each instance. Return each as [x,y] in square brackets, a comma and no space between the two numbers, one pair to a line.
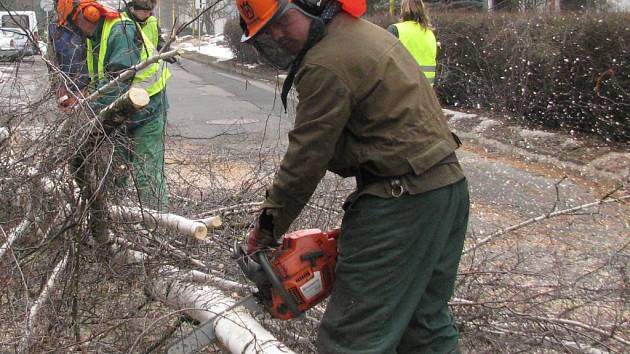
[275,282]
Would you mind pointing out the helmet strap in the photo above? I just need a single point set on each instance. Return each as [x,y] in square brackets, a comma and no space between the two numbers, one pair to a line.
[315,34]
[141,5]
[135,18]
[313,7]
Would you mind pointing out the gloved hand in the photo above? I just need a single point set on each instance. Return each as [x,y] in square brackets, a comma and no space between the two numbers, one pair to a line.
[171,60]
[261,236]
[66,104]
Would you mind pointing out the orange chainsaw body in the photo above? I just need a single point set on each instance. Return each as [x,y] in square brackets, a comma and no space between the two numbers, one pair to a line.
[305,266]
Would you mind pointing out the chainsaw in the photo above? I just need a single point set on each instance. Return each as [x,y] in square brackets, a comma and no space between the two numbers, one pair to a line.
[290,278]
[295,276]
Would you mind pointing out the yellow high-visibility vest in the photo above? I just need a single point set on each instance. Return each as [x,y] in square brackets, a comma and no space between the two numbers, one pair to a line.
[422,45]
[150,28]
[152,78]
[151,31]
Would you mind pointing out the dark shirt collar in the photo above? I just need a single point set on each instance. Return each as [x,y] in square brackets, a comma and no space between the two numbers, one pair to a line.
[98,31]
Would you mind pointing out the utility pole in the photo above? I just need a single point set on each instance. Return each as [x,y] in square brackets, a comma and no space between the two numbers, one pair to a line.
[194,13]
[554,5]
[491,4]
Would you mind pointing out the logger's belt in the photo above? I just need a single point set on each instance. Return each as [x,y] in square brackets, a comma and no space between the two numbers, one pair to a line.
[365,178]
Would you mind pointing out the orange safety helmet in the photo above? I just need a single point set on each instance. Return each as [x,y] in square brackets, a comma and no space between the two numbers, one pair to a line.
[257,13]
[92,11]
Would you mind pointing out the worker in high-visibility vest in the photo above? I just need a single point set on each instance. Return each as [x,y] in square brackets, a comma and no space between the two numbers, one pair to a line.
[141,11]
[113,45]
[416,34]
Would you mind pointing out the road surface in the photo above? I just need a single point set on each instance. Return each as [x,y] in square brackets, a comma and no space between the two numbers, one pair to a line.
[206,103]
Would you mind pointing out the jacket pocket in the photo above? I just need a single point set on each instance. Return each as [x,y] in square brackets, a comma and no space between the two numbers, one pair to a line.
[428,158]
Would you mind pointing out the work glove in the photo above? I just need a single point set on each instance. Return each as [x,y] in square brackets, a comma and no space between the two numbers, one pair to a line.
[66,104]
[261,236]
[171,60]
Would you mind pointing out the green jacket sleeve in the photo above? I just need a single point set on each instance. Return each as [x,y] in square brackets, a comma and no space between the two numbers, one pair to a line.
[322,112]
[122,53]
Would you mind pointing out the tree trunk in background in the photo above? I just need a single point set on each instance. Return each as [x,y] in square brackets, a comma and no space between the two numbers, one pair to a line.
[555,5]
[208,24]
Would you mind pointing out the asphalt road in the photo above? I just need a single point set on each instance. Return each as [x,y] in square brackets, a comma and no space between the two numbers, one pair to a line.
[213,107]
[223,107]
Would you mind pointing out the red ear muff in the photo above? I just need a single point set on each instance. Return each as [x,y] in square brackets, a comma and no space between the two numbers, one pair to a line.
[91,13]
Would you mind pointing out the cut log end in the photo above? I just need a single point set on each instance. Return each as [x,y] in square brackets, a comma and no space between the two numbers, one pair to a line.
[200,231]
[4,133]
[214,221]
[138,97]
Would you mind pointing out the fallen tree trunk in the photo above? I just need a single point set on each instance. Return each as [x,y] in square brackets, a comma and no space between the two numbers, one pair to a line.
[235,329]
[43,296]
[154,218]
[14,235]
[131,101]
[4,134]
[129,73]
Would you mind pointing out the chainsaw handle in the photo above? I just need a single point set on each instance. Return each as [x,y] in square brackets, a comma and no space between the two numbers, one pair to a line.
[275,282]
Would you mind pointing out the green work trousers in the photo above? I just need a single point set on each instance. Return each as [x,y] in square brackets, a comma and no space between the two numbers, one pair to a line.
[147,158]
[148,162]
[396,270]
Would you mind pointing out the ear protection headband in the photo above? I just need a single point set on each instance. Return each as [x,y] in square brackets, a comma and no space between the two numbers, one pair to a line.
[90,12]
[313,7]
[142,5]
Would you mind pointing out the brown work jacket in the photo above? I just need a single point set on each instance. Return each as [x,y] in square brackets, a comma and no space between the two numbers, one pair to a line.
[363,106]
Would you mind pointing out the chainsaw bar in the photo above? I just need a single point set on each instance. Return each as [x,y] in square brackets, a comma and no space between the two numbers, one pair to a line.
[204,334]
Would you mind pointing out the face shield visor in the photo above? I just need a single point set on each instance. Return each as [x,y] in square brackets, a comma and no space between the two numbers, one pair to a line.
[270,52]
[268,49]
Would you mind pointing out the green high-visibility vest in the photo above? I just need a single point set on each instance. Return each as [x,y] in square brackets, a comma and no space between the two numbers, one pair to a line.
[152,78]
[422,45]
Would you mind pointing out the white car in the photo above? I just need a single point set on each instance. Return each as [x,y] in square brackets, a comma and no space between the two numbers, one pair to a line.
[8,48]
[16,24]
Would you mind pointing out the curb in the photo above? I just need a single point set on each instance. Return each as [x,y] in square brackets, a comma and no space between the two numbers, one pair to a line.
[596,162]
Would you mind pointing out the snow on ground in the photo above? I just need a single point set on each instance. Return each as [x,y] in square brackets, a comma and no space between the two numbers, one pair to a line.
[212,46]
[43,47]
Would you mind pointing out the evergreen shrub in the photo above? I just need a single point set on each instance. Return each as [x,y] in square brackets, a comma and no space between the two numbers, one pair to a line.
[243,53]
[568,71]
